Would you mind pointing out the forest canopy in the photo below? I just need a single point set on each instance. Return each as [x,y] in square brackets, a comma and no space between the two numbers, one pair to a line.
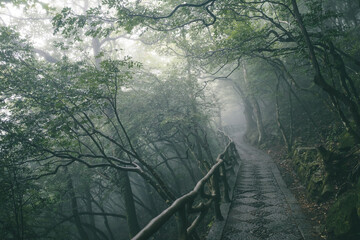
[111,110]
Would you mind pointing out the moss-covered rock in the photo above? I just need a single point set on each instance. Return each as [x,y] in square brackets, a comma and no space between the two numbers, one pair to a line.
[320,170]
[343,220]
[346,141]
[309,166]
[315,183]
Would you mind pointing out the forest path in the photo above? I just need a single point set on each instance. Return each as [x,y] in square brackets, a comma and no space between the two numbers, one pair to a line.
[262,206]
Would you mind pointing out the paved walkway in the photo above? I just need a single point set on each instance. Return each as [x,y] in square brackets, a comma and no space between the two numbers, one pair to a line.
[262,206]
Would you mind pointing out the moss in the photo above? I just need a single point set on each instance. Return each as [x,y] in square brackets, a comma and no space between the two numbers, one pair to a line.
[358,202]
[343,221]
[346,141]
[320,171]
[315,185]
[301,171]
[309,166]
[327,191]
[358,205]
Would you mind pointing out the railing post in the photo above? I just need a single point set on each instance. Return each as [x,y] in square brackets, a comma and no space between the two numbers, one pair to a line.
[217,195]
[229,159]
[225,183]
[236,153]
[182,223]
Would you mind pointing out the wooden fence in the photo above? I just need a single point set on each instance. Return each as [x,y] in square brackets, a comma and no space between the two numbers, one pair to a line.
[211,189]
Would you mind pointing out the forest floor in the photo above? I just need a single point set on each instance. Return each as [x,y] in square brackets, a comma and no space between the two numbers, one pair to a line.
[316,212]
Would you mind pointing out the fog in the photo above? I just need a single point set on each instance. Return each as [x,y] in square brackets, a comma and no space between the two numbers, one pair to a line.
[117,117]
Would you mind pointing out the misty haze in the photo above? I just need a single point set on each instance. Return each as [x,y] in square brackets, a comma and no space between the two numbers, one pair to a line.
[188,120]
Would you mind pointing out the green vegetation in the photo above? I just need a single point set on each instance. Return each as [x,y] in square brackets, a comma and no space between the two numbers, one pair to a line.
[110,108]
[344,217]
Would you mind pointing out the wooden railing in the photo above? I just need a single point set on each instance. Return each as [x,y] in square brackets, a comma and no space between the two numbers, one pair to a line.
[208,191]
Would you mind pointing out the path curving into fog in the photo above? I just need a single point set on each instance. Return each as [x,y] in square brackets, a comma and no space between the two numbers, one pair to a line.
[262,206]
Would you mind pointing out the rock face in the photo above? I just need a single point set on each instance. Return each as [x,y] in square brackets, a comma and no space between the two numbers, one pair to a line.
[343,220]
[310,167]
[320,171]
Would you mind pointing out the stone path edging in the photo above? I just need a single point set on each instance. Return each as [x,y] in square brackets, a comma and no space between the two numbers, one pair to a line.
[302,223]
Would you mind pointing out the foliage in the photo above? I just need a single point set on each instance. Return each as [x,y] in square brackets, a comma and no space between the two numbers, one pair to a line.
[343,218]
[294,64]
[59,118]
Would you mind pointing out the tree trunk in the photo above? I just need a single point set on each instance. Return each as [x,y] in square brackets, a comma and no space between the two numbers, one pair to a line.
[319,79]
[256,109]
[128,197]
[88,203]
[96,51]
[248,110]
[278,121]
[106,222]
[75,209]
[258,117]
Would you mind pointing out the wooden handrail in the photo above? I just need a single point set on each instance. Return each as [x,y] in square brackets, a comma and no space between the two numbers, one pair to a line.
[179,205]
